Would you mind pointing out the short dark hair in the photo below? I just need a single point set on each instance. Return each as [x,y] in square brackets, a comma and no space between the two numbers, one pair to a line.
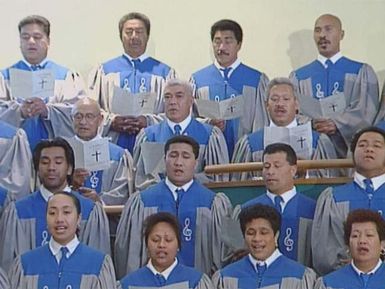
[72,196]
[36,19]
[182,139]
[134,15]
[162,217]
[227,24]
[258,211]
[361,132]
[56,142]
[278,147]
[363,216]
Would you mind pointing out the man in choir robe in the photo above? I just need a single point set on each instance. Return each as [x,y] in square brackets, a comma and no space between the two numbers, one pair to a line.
[178,100]
[297,210]
[31,113]
[335,75]
[227,78]
[15,161]
[134,71]
[366,191]
[282,106]
[199,211]
[23,224]
[113,185]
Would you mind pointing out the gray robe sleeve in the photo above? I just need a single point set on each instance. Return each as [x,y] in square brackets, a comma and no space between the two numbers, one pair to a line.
[323,151]
[328,246]
[220,282]
[242,154]
[107,274]
[260,117]
[118,181]
[16,277]
[95,231]
[59,120]
[4,282]
[381,111]
[221,209]
[130,248]
[15,237]
[205,283]
[16,165]
[320,284]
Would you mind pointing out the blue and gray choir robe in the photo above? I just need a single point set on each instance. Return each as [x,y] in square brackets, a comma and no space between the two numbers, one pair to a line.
[4,282]
[250,149]
[85,268]
[347,278]
[359,85]
[283,273]
[181,277]
[15,161]
[212,150]
[23,227]
[149,76]
[246,81]
[116,183]
[201,213]
[69,87]
[333,207]
[295,233]
[3,199]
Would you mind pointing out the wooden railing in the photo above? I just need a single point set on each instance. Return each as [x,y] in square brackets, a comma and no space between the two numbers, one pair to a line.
[257,166]
[301,164]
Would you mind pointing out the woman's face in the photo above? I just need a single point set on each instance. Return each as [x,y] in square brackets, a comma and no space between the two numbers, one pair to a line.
[62,218]
[365,245]
[260,238]
[162,246]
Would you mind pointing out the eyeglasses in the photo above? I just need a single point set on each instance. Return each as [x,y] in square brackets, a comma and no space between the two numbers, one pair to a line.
[88,116]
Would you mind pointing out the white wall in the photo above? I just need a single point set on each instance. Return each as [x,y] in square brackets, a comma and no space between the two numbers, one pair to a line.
[277,33]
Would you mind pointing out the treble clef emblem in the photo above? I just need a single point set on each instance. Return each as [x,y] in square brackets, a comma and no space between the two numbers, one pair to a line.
[288,242]
[335,87]
[142,87]
[187,232]
[45,237]
[94,180]
[319,93]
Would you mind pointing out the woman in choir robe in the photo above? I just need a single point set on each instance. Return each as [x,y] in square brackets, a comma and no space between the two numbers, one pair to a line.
[264,266]
[365,235]
[64,262]
[162,238]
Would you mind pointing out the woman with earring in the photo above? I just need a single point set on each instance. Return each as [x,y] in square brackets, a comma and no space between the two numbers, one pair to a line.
[264,266]
[365,235]
[64,262]
[162,239]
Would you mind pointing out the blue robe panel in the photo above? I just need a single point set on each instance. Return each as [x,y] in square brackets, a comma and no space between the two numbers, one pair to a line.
[299,207]
[244,272]
[35,127]
[145,278]
[347,278]
[136,80]
[35,207]
[197,196]
[210,78]
[42,263]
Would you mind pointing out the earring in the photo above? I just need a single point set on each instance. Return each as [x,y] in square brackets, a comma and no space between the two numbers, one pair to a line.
[382,252]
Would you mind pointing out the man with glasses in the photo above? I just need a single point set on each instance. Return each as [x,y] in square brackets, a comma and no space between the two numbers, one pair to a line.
[30,114]
[113,185]
[227,77]
[133,71]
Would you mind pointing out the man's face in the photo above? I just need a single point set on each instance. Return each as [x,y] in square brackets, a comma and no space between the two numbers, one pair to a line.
[225,47]
[178,103]
[34,43]
[86,120]
[328,35]
[180,163]
[282,104]
[53,169]
[134,37]
[277,173]
[369,155]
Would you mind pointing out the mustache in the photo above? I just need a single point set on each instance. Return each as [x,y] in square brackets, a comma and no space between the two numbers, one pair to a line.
[222,52]
[323,40]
